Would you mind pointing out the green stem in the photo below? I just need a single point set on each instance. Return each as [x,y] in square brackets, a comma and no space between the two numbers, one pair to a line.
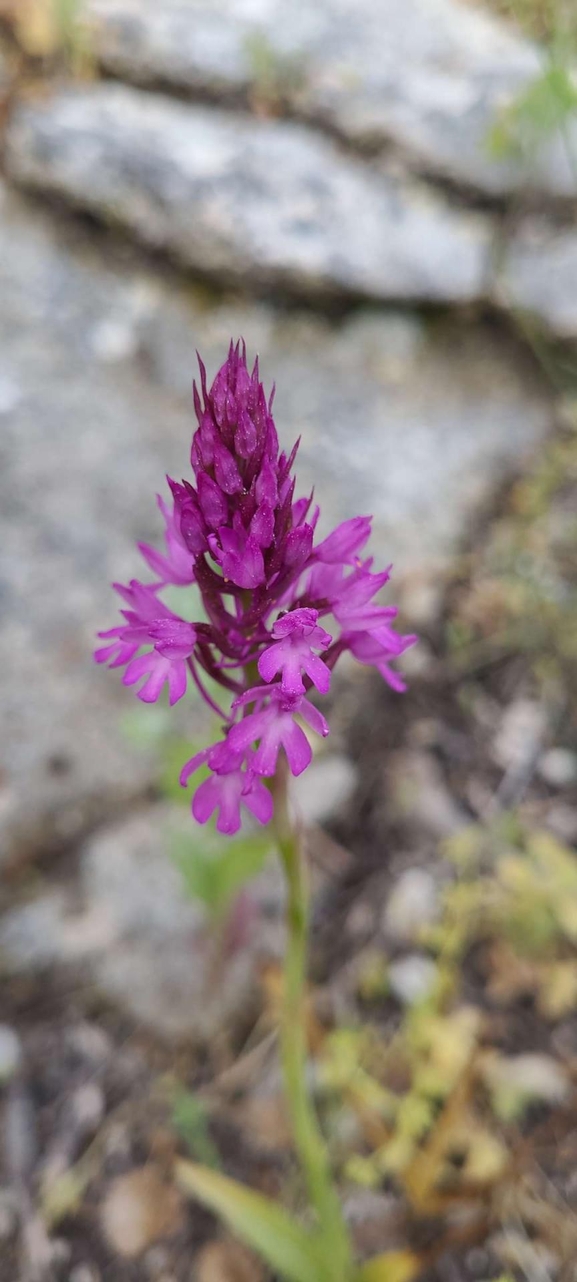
[309,1141]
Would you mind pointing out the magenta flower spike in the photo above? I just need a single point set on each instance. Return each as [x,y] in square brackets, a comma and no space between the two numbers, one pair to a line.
[236,529]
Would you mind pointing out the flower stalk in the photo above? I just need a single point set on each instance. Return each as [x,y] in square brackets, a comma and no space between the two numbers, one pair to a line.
[308,1138]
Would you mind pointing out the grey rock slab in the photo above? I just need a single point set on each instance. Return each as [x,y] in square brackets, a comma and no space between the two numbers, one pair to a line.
[126,926]
[267,203]
[83,447]
[538,275]
[430,77]
[160,962]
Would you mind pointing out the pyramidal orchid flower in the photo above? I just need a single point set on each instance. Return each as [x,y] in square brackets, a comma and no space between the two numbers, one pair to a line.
[292,654]
[169,642]
[236,529]
[233,783]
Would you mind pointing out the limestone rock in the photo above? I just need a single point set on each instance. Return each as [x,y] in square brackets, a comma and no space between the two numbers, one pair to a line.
[128,928]
[430,77]
[269,202]
[538,275]
[80,448]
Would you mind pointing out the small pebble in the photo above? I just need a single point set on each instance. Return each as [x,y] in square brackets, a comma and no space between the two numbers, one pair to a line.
[325,789]
[84,1273]
[558,767]
[421,601]
[418,660]
[523,725]
[562,820]
[87,1108]
[226,1262]
[361,919]
[412,978]
[90,1043]
[156,1262]
[413,903]
[117,1141]
[533,1076]
[477,1261]
[20,1138]
[139,1208]
[61,1251]
[10,1053]
[418,792]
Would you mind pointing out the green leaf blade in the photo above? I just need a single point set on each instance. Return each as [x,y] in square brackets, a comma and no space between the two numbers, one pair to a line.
[261,1223]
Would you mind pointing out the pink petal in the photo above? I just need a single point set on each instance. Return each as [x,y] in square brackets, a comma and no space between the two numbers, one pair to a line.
[139,667]
[347,540]
[177,674]
[313,718]
[251,696]
[205,800]
[174,638]
[318,672]
[393,679]
[292,682]
[228,821]
[105,652]
[297,747]
[190,766]
[271,661]
[266,755]
[259,801]
[152,688]
[245,732]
